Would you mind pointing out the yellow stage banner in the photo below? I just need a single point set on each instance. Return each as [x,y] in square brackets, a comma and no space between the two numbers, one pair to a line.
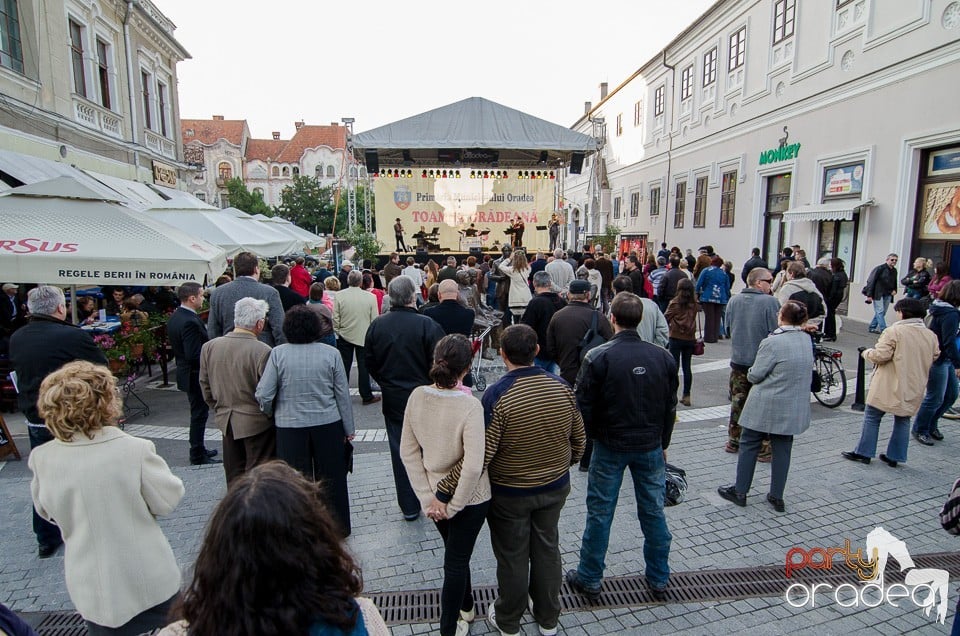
[443,210]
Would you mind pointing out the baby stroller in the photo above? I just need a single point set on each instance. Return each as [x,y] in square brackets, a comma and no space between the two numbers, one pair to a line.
[481,329]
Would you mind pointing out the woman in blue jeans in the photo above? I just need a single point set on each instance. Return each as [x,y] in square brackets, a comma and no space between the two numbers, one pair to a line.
[443,426]
[903,356]
[942,385]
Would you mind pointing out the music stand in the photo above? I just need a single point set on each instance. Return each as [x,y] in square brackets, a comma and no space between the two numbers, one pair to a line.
[435,231]
[541,227]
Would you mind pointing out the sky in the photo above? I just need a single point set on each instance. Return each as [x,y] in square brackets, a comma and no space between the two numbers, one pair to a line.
[277,62]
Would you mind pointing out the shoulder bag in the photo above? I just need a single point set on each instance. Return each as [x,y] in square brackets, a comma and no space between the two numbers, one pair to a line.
[698,346]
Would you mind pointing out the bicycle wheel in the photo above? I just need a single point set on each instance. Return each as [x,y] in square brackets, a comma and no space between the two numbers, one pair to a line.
[833,382]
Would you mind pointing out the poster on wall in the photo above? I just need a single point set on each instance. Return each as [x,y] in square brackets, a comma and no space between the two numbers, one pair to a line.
[451,209]
[940,212]
[944,162]
[843,181]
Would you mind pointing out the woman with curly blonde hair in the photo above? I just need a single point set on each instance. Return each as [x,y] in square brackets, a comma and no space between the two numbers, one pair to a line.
[104,489]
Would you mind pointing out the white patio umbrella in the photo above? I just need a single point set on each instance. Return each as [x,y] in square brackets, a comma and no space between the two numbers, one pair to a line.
[309,239]
[62,233]
[225,230]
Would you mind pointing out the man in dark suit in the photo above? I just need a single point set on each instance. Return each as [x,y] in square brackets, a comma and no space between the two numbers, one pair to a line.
[12,315]
[280,275]
[450,314]
[41,347]
[187,333]
[247,285]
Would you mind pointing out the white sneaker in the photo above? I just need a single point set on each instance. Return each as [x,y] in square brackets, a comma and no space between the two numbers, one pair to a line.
[469,616]
[952,413]
[463,628]
[552,631]
[492,619]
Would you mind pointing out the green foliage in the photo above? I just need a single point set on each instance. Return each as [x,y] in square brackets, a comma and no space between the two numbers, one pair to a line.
[243,199]
[608,239]
[364,242]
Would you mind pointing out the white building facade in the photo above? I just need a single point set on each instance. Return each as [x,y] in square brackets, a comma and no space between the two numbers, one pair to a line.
[768,123]
[91,83]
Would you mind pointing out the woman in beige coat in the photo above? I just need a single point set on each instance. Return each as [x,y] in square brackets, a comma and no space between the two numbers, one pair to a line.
[105,489]
[903,355]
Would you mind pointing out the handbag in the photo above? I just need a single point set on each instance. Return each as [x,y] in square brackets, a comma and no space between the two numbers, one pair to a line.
[676,485]
[950,513]
[698,346]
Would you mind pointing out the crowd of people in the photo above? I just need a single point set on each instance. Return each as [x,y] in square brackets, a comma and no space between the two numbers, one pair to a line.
[594,348]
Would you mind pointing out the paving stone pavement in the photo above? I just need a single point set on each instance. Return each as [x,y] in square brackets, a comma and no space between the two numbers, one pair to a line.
[828,500]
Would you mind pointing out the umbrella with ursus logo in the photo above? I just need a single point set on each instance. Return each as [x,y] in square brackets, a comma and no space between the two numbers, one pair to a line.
[60,232]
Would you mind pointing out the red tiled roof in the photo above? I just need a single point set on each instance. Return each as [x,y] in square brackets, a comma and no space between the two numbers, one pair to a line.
[264,149]
[209,131]
[311,137]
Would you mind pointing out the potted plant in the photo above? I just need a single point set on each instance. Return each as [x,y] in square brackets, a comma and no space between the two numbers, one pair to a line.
[138,338]
[116,351]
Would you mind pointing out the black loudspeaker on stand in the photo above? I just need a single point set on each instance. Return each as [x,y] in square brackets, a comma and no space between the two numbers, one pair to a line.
[372,160]
[576,163]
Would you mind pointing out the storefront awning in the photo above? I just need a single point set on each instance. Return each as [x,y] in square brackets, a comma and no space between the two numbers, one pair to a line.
[836,211]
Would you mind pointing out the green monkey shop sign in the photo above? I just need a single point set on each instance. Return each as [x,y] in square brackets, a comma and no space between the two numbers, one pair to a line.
[783,153]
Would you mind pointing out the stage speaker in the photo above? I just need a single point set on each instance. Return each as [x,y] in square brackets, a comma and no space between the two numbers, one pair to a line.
[421,254]
[373,161]
[477,252]
[576,163]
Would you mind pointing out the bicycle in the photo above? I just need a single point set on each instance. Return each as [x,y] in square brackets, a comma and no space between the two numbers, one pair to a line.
[828,364]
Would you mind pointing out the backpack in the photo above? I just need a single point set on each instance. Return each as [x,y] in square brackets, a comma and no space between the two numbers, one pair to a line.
[590,339]
[811,300]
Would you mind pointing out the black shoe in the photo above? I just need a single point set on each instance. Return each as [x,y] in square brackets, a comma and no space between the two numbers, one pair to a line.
[206,459]
[211,452]
[373,400]
[923,439]
[776,503]
[855,457]
[889,462]
[936,434]
[659,594]
[592,594]
[45,551]
[413,516]
[730,494]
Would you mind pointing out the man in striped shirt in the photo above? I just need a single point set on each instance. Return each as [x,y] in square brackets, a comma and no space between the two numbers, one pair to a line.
[534,434]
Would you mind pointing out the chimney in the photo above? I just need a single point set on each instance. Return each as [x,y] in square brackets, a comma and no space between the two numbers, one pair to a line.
[603,91]
[276,135]
[218,118]
[298,124]
[587,107]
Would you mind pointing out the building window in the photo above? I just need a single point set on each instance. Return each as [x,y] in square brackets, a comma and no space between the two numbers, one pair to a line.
[738,49]
[635,204]
[318,172]
[331,173]
[619,124]
[638,113]
[655,201]
[686,82]
[783,19]
[616,208]
[11,53]
[103,72]
[224,200]
[680,204]
[224,171]
[710,67]
[296,171]
[201,195]
[145,82]
[658,101]
[728,198]
[286,171]
[76,59]
[275,171]
[162,108]
[700,203]
[841,3]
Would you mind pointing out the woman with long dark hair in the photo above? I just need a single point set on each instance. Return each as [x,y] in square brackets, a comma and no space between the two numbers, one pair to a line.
[941,276]
[272,564]
[838,289]
[443,427]
[682,325]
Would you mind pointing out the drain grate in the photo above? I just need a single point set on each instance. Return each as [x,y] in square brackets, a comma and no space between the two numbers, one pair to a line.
[423,606]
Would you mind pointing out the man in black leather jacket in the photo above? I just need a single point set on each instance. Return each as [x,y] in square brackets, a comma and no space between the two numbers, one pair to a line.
[627,393]
[399,353]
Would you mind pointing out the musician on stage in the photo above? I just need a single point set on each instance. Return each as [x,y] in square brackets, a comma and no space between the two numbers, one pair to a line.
[470,232]
[554,229]
[398,233]
[518,227]
[421,237]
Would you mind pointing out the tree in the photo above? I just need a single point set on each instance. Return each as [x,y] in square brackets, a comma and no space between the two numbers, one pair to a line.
[365,243]
[243,199]
[307,204]
[608,240]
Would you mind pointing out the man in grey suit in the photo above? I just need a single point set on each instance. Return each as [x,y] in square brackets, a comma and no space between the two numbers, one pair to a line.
[247,285]
[230,368]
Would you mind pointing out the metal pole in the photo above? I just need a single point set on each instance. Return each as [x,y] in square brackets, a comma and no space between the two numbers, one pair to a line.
[859,403]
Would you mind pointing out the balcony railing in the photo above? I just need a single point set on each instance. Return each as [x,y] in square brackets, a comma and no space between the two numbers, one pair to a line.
[159,144]
[97,117]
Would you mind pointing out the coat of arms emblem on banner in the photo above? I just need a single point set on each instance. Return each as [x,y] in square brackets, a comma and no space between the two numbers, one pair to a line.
[402,197]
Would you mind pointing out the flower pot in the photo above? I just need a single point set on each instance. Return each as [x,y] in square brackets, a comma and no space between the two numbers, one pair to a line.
[136,349]
[116,366]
